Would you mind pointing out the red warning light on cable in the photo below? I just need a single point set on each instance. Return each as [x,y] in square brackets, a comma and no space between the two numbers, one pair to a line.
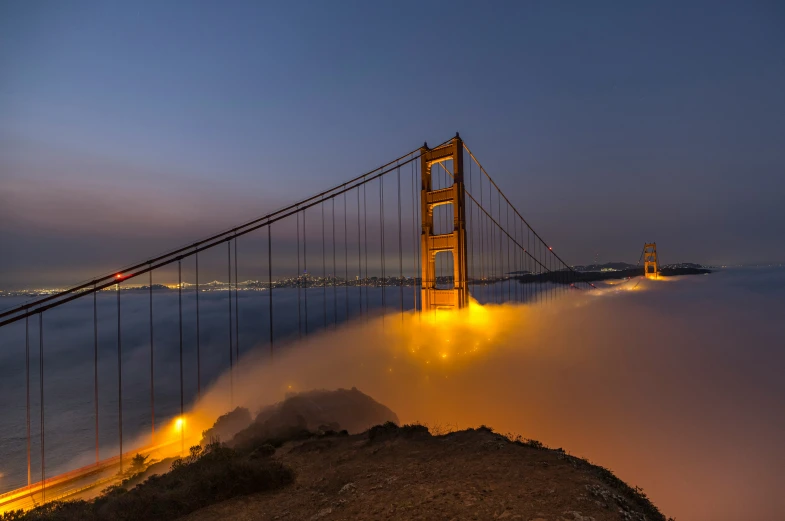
[118,276]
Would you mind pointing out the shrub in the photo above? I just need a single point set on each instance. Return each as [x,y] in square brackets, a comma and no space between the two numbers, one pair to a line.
[138,463]
[534,444]
[202,478]
[391,430]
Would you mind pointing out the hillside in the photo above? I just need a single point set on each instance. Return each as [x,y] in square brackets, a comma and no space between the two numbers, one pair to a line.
[291,463]
[406,473]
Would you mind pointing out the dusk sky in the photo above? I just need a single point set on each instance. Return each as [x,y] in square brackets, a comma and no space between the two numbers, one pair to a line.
[131,128]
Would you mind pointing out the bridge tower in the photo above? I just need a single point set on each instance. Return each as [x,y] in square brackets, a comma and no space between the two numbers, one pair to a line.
[650,266]
[455,242]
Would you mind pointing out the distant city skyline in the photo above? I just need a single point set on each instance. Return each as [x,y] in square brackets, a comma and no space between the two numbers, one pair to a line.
[128,130]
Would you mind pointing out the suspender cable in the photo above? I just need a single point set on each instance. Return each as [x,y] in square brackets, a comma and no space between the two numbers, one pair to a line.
[515,256]
[498,284]
[41,378]
[501,247]
[95,376]
[537,255]
[152,358]
[482,245]
[547,294]
[527,290]
[381,242]
[198,347]
[299,319]
[535,289]
[365,229]
[400,244]
[335,294]
[550,285]
[554,277]
[528,262]
[545,288]
[502,265]
[471,235]
[236,308]
[522,267]
[500,258]
[518,267]
[524,264]
[27,403]
[324,274]
[560,275]
[536,279]
[509,280]
[231,341]
[119,377]
[538,249]
[493,247]
[503,262]
[489,254]
[359,257]
[543,281]
[305,275]
[180,312]
[270,282]
[345,257]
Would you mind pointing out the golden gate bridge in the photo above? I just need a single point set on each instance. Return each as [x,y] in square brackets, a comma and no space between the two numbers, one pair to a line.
[442,232]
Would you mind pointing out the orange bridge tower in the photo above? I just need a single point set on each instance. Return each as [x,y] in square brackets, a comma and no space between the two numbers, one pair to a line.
[650,266]
[454,242]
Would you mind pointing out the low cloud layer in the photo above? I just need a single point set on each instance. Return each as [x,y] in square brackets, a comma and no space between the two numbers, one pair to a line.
[674,385]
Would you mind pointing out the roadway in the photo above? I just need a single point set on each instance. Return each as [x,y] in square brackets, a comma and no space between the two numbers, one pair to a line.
[85,482]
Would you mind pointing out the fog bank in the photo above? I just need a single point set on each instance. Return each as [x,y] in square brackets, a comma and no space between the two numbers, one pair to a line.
[674,385]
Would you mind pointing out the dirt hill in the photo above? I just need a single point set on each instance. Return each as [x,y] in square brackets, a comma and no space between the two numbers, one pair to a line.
[405,473]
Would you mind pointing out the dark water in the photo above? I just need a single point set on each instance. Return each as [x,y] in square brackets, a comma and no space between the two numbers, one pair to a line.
[69,417]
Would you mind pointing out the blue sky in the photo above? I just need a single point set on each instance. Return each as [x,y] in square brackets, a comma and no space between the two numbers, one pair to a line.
[134,127]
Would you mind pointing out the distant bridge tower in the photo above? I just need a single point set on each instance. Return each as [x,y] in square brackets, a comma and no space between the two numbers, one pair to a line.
[650,267]
[455,242]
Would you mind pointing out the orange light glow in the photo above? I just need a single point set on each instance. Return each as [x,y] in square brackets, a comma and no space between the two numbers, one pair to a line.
[453,337]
